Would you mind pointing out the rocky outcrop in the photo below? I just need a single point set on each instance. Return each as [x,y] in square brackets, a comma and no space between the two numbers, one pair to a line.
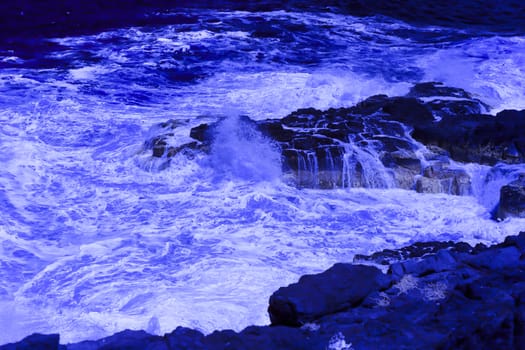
[478,138]
[408,142]
[433,295]
[512,199]
[441,296]
[339,288]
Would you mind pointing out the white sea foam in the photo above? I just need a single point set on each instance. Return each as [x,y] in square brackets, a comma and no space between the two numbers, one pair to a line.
[88,72]
[92,243]
[272,94]
[491,68]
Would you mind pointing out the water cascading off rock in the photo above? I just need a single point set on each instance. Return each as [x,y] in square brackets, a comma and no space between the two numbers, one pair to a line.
[407,142]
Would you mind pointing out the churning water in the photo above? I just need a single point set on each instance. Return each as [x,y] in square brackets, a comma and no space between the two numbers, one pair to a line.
[93,240]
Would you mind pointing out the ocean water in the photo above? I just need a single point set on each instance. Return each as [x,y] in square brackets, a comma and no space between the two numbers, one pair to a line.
[95,239]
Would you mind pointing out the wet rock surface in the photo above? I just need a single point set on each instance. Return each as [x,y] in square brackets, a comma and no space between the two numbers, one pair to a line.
[478,138]
[339,288]
[409,142]
[433,295]
[512,199]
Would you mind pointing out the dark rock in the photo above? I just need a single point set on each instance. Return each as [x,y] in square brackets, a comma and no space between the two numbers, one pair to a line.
[263,338]
[340,287]
[36,342]
[373,144]
[276,131]
[185,339]
[201,133]
[441,261]
[437,89]
[520,321]
[159,144]
[512,199]
[445,296]
[447,101]
[416,250]
[438,178]
[370,105]
[515,241]
[162,147]
[408,110]
[478,138]
[486,322]
[128,339]
[506,257]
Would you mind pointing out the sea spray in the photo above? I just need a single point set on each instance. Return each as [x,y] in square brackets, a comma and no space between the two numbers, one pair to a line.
[362,167]
[240,151]
[85,232]
[487,181]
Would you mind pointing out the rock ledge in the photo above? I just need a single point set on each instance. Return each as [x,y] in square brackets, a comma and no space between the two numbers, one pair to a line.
[435,295]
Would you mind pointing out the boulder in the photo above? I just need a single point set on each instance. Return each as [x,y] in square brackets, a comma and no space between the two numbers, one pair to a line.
[512,199]
[340,287]
[506,257]
[439,262]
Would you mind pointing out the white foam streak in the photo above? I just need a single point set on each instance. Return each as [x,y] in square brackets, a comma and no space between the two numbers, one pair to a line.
[93,240]
[240,230]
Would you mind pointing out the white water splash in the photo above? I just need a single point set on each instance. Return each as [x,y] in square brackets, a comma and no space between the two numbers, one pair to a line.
[240,151]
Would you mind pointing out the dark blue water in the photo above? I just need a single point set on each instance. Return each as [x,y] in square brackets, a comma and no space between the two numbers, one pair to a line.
[95,239]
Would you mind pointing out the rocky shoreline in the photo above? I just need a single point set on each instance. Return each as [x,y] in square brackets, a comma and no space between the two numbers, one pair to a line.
[434,295]
[430,295]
